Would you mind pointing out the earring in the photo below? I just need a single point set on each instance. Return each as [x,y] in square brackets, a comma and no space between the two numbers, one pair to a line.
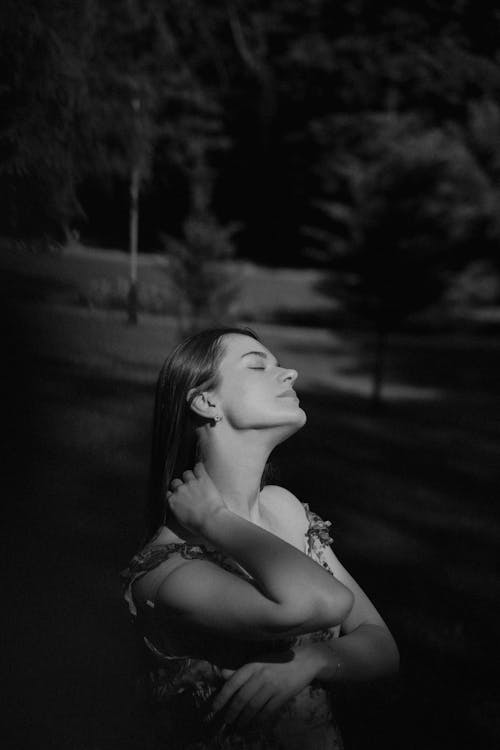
[217,418]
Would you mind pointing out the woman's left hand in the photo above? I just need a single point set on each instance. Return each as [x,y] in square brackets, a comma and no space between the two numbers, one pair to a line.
[258,689]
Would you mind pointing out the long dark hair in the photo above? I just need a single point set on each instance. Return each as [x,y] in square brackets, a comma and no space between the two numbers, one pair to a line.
[192,364]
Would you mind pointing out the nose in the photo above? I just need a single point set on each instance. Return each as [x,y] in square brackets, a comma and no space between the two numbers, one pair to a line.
[290,376]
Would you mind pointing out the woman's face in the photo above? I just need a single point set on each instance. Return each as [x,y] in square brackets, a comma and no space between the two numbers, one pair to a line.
[254,392]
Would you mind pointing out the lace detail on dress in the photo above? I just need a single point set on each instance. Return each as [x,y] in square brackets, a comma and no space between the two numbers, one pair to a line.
[150,557]
[318,536]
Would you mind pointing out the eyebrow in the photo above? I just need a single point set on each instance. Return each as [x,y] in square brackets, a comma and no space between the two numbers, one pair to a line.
[263,355]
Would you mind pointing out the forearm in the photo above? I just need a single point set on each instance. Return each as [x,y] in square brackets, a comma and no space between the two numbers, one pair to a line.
[367,653]
[285,574]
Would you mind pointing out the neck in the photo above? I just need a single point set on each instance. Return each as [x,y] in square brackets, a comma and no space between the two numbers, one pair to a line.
[236,467]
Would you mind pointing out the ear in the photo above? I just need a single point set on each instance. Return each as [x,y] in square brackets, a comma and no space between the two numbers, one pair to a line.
[202,403]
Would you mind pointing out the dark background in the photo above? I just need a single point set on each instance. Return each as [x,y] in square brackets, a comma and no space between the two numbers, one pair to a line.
[354,153]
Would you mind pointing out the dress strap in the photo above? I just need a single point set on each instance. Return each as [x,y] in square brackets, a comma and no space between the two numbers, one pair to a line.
[149,558]
[152,556]
[318,533]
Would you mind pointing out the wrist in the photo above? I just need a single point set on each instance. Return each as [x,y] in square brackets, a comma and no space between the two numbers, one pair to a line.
[326,662]
[212,522]
[311,658]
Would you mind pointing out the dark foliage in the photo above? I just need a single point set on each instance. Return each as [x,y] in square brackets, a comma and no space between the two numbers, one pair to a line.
[254,76]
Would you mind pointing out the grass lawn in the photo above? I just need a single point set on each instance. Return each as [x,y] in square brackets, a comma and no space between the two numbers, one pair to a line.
[412,492]
[77,275]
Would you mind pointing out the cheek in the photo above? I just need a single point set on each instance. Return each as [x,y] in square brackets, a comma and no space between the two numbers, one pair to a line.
[244,400]
[249,396]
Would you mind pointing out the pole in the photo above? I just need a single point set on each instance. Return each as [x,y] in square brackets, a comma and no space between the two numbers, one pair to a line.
[135,184]
[379,365]
[133,244]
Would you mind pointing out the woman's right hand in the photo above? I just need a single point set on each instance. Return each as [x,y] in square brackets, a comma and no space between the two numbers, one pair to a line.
[194,499]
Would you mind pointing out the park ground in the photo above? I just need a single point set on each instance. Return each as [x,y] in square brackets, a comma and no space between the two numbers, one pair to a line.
[411,489]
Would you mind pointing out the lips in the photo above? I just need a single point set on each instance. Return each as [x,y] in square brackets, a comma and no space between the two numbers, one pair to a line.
[288,394]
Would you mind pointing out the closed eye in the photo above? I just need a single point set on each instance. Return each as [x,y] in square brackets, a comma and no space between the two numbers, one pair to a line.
[256,368]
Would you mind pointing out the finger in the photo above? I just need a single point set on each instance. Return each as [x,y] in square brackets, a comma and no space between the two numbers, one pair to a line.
[254,706]
[273,706]
[199,470]
[226,673]
[188,475]
[176,483]
[169,494]
[242,700]
[225,694]
[238,678]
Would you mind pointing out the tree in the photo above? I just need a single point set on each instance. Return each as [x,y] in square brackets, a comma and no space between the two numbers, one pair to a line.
[42,96]
[72,72]
[204,283]
[129,77]
[482,135]
[412,200]
[153,91]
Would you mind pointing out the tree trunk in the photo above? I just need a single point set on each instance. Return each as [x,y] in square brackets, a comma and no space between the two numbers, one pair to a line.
[379,366]
[133,244]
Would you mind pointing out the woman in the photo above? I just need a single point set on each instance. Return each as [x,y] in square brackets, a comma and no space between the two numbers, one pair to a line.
[240,621]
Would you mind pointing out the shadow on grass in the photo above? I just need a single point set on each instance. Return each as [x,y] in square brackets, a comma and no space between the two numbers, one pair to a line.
[34,288]
[412,495]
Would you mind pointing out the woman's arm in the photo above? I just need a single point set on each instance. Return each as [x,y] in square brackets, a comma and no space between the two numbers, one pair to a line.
[260,688]
[366,651]
[291,593]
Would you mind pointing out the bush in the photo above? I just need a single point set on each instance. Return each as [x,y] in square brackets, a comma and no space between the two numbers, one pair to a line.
[205,284]
[112,294]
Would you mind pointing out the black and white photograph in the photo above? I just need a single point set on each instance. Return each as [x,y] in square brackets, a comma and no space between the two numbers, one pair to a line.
[250,305]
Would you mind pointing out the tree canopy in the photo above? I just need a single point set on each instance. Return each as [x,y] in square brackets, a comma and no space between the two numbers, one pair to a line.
[266,92]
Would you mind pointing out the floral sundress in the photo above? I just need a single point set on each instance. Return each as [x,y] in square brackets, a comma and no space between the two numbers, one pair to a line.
[180,688]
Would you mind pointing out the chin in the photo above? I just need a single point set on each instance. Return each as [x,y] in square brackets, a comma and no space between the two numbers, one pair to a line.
[293,425]
[297,418]
[301,417]
[283,423]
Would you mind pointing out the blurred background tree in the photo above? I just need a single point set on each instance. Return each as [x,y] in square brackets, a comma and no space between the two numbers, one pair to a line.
[415,204]
[270,108]
[156,106]
[203,280]
[43,101]
[138,76]
[482,136]
[204,284]
[273,69]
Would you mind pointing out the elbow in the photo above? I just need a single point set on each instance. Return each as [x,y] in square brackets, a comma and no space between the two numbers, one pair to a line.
[393,659]
[389,655]
[338,606]
[316,613]
[345,604]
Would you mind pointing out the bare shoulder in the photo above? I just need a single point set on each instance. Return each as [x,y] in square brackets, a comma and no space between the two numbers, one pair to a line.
[272,494]
[284,513]
[146,586]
